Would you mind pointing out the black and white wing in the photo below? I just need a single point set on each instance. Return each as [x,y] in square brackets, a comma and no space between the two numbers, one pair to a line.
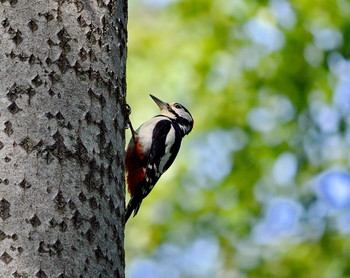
[166,141]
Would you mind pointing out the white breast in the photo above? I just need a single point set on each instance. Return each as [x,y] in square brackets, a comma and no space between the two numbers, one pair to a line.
[145,132]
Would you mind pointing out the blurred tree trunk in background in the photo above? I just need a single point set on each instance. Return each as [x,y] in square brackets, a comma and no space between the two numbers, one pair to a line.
[62,86]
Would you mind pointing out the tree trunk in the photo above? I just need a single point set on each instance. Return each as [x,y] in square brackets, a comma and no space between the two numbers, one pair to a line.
[62,86]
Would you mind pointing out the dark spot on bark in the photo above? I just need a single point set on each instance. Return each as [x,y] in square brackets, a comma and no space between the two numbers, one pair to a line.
[37,81]
[102,101]
[81,21]
[53,223]
[12,94]
[41,274]
[59,116]
[54,77]
[51,249]
[102,135]
[1,145]
[58,149]
[13,108]
[82,197]
[63,226]
[32,25]
[23,57]
[100,3]
[93,203]
[78,69]
[17,274]
[88,118]
[91,93]
[90,236]
[8,128]
[7,159]
[98,253]
[11,55]
[90,37]
[51,92]
[63,63]
[87,263]
[105,24]
[27,144]
[69,126]
[72,205]
[13,2]
[49,115]
[77,219]
[94,224]
[108,48]
[48,61]
[81,153]
[17,38]
[111,205]
[30,92]
[110,173]
[5,23]
[11,31]
[51,43]
[108,152]
[2,235]
[92,56]
[35,221]
[31,59]
[60,201]
[64,38]
[42,247]
[17,90]
[89,179]
[83,54]
[6,258]
[25,184]
[4,209]
[14,237]
[79,5]
[57,247]
[48,16]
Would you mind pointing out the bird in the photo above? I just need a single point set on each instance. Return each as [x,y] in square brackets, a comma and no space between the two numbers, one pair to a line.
[152,150]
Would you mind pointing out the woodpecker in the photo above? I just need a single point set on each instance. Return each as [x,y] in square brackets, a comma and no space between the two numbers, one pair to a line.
[153,148]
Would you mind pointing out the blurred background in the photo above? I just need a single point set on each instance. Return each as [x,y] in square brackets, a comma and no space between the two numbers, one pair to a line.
[261,187]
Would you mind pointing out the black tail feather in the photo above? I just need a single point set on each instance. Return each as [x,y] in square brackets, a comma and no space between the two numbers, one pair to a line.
[133,205]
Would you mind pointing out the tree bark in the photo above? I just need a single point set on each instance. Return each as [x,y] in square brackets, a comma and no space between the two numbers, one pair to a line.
[62,88]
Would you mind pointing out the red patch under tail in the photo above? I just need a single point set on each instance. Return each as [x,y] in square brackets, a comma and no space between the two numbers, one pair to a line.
[135,167]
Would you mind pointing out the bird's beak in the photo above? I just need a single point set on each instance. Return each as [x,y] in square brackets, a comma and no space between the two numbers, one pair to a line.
[161,104]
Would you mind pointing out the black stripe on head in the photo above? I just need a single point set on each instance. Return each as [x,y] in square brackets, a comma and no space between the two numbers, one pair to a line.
[177,115]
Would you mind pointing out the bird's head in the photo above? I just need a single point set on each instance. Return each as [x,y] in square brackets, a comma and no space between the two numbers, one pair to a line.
[176,112]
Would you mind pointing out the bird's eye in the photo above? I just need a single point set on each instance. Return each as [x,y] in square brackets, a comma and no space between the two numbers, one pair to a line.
[178,106]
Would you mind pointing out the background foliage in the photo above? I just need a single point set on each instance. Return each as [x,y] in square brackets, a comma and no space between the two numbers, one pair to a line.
[261,186]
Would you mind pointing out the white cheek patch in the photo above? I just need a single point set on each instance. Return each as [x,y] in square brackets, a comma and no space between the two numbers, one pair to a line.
[168,114]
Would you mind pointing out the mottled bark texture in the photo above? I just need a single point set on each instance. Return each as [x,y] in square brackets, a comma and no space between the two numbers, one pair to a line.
[62,87]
